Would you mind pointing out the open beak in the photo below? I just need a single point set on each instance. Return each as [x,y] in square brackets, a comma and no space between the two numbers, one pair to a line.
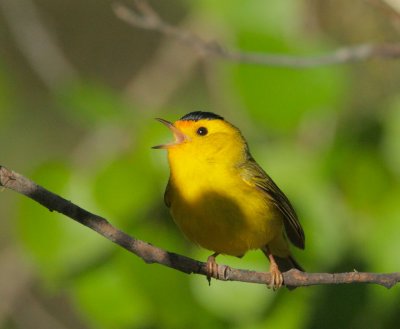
[179,136]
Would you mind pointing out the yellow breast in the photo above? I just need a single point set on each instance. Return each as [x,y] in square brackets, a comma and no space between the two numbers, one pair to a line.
[215,208]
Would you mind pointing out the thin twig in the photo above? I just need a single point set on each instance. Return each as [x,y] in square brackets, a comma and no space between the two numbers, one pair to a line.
[151,254]
[146,18]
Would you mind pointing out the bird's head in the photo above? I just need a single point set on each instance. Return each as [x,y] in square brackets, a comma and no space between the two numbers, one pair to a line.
[205,135]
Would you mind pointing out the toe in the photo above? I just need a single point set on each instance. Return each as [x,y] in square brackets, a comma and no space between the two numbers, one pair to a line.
[276,278]
[211,268]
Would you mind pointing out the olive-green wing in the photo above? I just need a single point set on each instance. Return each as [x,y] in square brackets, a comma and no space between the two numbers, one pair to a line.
[167,195]
[253,174]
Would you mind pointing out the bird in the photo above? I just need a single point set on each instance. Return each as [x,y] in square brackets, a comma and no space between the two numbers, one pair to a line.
[222,200]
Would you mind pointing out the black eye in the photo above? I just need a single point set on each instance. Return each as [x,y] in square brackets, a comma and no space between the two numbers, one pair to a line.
[202,131]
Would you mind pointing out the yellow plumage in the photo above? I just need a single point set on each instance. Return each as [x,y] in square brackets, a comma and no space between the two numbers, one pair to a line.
[221,199]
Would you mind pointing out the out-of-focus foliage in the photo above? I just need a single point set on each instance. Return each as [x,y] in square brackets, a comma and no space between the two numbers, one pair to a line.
[330,137]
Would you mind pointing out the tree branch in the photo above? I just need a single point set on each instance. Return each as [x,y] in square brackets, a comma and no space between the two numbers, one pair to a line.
[151,254]
[147,18]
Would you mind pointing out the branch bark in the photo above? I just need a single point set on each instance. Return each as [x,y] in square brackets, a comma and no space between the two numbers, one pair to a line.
[146,18]
[151,254]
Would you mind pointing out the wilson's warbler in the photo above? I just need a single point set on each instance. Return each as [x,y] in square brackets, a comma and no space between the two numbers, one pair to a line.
[222,199]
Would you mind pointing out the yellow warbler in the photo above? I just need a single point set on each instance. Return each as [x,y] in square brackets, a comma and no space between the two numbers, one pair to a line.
[222,200]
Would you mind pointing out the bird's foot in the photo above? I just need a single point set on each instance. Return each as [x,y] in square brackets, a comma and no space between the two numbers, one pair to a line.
[211,267]
[276,277]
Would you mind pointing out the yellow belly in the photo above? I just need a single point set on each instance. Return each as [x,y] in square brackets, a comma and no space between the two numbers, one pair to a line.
[229,220]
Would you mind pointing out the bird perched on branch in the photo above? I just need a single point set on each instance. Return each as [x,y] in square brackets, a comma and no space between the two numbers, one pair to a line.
[222,200]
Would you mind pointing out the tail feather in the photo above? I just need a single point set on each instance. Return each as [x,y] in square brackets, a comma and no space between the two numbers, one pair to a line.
[287,263]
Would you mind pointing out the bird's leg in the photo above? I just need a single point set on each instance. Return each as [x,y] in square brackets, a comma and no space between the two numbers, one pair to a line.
[277,278]
[212,267]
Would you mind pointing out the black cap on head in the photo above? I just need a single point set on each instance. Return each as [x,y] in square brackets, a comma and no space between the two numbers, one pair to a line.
[199,115]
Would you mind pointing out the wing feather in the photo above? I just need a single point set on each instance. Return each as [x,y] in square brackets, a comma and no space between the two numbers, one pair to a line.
[254,175]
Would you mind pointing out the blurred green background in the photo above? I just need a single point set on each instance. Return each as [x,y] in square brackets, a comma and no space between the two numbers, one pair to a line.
[78,93]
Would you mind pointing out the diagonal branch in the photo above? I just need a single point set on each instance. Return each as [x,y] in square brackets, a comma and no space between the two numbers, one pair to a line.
[146,18]
[151,254]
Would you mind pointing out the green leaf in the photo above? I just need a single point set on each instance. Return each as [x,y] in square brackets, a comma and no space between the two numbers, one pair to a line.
[391,145]
[276,16]
[53,240]
[40,230]
[279,98]
[125,186]
[111,297]
[89,103]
